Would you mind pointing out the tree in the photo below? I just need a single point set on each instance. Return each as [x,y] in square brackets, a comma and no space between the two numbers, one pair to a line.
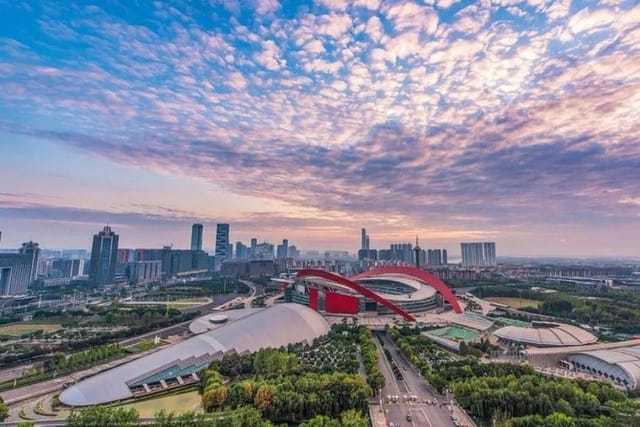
[353,418]
[321,421]
[264,397]
[4,410]
[214,398]
[107,417]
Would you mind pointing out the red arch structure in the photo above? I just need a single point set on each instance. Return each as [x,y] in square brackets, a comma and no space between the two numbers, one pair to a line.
[324,274]
[421,275]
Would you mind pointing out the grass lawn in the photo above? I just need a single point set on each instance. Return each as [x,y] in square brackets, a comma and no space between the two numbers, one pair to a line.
[176,403]
[514,302]
[17,329]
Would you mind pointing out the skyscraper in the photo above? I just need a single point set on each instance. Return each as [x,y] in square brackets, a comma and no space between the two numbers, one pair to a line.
[282,251]
[104,256]
[489,252]
[364,243]
[15,271]
[196,237]
[31,250]
[478,254]
[418,252]
[242,252]
[222,244]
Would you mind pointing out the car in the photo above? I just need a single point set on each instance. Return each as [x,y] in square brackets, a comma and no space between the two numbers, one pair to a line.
[404,368]
[409,417]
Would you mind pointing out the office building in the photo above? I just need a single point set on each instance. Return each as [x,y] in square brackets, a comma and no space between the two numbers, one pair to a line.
[445,259]
[478,254]
[104,257]
[32,251]
[263,251]
[367,254]
[143,272]
[294,252]
[252,251]
[282,250]
[196,237]
[242,251]
[65,267]
[178,262]
[489,252]
[15,274]
[222,244]
[402,252]
[364,243]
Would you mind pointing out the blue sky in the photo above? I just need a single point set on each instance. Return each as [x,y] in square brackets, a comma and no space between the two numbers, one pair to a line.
[514,121]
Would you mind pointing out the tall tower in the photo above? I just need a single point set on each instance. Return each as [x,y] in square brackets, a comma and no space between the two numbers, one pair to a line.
[32,250]
[104,256]
[222,244]
[416,251]
[363,238]
[196,237]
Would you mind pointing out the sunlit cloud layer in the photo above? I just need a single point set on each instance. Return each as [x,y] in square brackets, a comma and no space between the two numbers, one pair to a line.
[508,119]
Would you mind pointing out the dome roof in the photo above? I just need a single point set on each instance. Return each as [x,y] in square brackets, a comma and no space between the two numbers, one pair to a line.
[552,335]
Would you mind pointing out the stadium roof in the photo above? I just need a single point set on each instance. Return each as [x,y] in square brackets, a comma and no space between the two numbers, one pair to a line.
[273,327]
[553,336]
[620,365]
[203,324]
[420,290]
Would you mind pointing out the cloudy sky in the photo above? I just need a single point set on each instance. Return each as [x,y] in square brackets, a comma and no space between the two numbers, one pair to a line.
[514,121]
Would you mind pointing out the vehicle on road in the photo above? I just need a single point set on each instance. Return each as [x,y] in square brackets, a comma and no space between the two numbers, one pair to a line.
[409,417]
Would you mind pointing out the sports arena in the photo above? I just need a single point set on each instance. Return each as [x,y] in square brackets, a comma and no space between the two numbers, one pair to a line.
[396,290]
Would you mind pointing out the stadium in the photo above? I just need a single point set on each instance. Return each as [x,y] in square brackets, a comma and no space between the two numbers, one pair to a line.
[242,331]
[402,291]
[619,366]
[545,335]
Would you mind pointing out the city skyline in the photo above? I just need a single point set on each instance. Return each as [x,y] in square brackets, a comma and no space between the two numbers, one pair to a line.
[458,122]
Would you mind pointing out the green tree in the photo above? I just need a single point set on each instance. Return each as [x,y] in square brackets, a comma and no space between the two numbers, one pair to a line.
[4,410]
[104,417]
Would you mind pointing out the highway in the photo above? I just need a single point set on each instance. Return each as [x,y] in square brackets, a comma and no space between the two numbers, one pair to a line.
[422,414]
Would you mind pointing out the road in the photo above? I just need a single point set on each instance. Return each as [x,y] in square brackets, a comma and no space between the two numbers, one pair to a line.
[422,414]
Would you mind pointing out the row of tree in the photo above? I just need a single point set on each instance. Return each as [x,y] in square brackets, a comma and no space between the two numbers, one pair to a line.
[369,353]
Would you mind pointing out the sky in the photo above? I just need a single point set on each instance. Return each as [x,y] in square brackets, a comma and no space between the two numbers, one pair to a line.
[511,121]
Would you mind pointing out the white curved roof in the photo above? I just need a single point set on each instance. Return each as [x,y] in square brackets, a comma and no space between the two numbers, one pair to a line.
[202,324]
[273,327]
[620,365]
[558,335]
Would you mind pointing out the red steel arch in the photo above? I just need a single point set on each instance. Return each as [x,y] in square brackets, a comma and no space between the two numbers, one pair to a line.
[421,275]
[324,274]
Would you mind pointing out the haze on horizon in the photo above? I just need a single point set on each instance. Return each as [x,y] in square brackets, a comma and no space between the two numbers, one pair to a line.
[510,121]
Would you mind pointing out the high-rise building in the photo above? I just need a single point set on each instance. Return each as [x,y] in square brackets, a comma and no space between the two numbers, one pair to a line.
[282,251]
[222,244]
[489,252]
[196,237]
[478,254]
[294,252]
[263,251]
[252,249]
[364,240]
[242,251]
[67,268]
[104,257]
[445,261]
[31,250]
[402,252]
[15,274]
